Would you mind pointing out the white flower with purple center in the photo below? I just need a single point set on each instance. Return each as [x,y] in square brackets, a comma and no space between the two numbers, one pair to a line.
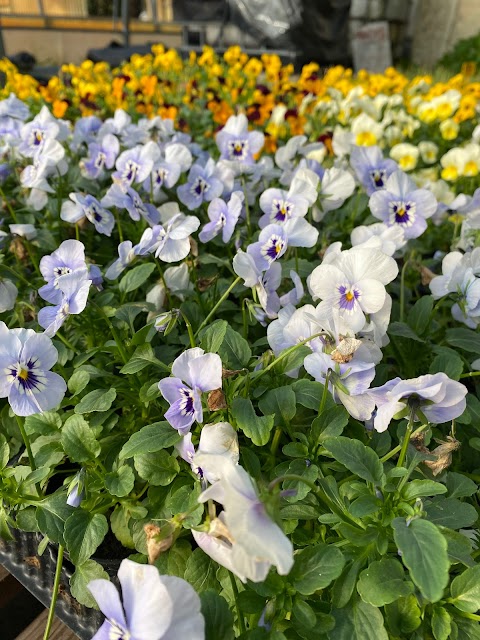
[271,245]
[371,168]
[154,607]
[195,372]
[401,203]
[26,358]
[237,143]
[125,197]
[74,287]
[69,257]
[88,207]
[354,282]
[203,185]
[223,217]
[134,165]
[436,397]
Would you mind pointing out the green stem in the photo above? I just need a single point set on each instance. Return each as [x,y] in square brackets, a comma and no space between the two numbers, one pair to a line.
[276,439]
[245,318]
[66,342]
[17,275]
[114,332]
[241,621]
[247,209]
[222,299]
[56,585]
[406,440]
[396,449]
[321,497]
[9,206]
[323,400]
[189,329]
[284,354]
[27,444]
[470,375]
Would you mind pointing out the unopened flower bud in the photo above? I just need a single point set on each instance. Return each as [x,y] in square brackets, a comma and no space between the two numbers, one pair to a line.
[76,489]
[165,322]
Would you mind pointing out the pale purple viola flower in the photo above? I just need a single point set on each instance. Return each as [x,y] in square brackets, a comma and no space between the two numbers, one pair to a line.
[379,236]
[127,198]
[435,396]
[272,244]
[195,372]
[134,165]
[252,542]
[353,282]
[202,186]
[236,143]
[401,203]
[154,607]
[74,287]
[101,156]
[245,266]
[279,206]
[217,439]
[88,207]
[267,294]
[223,217]
[174,242]
[12,107]
[8,294]
[121,125]
[26,381]
[126,255]
[34,133]
[293,152]
[85,131]
[175,159]
[69,257]
[371,168]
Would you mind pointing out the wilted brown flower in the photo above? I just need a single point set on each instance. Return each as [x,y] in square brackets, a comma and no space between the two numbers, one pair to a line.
[216,400]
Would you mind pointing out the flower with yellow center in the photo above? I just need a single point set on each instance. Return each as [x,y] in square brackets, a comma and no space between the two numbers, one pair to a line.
[406,155]
[449,129]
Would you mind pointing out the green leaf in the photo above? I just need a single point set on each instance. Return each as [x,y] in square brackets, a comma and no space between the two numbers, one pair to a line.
[257,428]
[200,572]
[281,402]
[142,357]
[218,617]
[465,590]
[441,623]
[308,393]
[459,486]
[316,567]
[419,488]
[357,458]
[78,440]
[452,365]
[83,575]
[52,513]
[402,330]
[213,336]
[153,437]
[98,400]
[4,452]
[331,423]
[459,547]
[78,381]
[424,553]
[464,339]
[119,523]
[299,468]
[159,468]
[84,532]
[358,621]
[383,582]
[450,512]
[293,360]
[303,613]
[234,350]
[120,482]
[403,616]
[136,277]
[45,424]
[419,316]
[344,586]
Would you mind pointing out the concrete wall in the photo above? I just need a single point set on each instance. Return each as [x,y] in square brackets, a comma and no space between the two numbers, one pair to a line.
[439,25]
[57,47]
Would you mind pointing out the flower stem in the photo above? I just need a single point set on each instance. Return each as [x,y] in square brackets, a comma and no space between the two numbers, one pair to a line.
[470,375]
[323,400]
[276,439]
[396,449]
[222,299]
[66,342]
[241,621]
[56,584]
[406,440]
[27,443]
[402,289]
[286,353]
[189,329]
[114,332]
